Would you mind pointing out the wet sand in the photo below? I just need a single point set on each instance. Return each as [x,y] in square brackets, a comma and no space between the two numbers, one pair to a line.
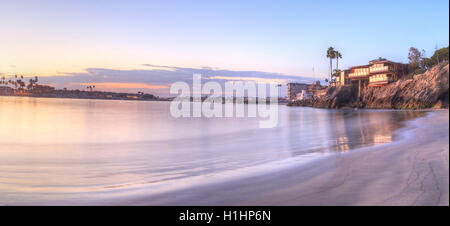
[411,171]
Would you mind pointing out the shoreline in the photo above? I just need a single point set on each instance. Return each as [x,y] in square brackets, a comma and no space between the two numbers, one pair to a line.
[82,98]
[166,99]
[410,171]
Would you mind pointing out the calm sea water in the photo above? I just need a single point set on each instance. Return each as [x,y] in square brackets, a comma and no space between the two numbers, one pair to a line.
[56,151]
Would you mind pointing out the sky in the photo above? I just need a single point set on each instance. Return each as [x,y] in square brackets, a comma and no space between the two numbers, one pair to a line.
[139,45]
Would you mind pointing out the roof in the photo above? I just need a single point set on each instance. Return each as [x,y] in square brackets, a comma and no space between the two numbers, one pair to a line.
[383,60]
[379,59]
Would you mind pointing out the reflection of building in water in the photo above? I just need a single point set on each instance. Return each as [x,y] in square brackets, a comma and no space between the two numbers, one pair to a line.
[352,129]
[381,132]
[342,144]
[342,130]
[382,138]
[378,127]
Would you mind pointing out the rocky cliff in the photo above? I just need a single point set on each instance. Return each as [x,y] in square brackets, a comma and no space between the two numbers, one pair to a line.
[427,90]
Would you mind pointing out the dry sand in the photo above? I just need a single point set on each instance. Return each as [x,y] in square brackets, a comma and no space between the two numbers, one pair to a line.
[411,171]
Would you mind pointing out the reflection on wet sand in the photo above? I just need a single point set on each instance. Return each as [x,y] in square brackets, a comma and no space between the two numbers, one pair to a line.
[342,130]
[352,129]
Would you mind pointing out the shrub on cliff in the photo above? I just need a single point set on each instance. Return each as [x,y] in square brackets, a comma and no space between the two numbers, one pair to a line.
[440,55]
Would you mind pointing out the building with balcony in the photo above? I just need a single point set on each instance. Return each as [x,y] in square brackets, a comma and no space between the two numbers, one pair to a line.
[359,72]
[343,79]
[378,72]
[383,72]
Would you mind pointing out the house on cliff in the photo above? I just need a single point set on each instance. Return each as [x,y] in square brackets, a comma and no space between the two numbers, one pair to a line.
[378,72]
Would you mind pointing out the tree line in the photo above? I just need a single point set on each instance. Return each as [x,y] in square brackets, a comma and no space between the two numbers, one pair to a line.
[418,62]
[19,82]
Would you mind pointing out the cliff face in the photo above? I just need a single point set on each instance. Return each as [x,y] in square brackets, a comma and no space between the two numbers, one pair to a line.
[427,90]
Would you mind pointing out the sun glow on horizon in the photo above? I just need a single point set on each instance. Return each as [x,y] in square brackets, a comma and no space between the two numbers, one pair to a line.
[122,85]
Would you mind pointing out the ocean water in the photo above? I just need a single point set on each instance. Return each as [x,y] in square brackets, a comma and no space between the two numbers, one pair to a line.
[70,151]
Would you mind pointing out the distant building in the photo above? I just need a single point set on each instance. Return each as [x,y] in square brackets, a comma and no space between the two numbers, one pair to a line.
[132,97]
[320,92]
[295,88]
[316,89]
[43,89]
[5,90]
[300,91]
[303,95]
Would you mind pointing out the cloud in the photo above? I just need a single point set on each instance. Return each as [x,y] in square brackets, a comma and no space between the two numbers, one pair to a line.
[253,79]
[123,85]
[157,79]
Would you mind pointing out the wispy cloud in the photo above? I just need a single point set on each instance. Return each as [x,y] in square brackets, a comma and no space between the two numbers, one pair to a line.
[253,79]
[157,78]
[123,85]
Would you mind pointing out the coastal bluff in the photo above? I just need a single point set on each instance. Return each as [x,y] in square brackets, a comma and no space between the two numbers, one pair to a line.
[427,90]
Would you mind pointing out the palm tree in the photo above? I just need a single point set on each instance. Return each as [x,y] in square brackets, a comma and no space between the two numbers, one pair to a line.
[30,85]
[331,54]
[16,83]
[337,55]
[22,84]
[336,74]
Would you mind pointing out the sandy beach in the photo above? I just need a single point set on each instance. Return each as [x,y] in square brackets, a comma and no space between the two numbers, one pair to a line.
[413,170]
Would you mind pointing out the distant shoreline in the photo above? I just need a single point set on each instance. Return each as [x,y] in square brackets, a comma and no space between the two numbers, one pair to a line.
[46,91]
[281,101]
[170,99]
[84,98]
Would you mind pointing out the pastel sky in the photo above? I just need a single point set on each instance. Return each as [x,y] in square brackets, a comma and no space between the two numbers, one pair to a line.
[118,43]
